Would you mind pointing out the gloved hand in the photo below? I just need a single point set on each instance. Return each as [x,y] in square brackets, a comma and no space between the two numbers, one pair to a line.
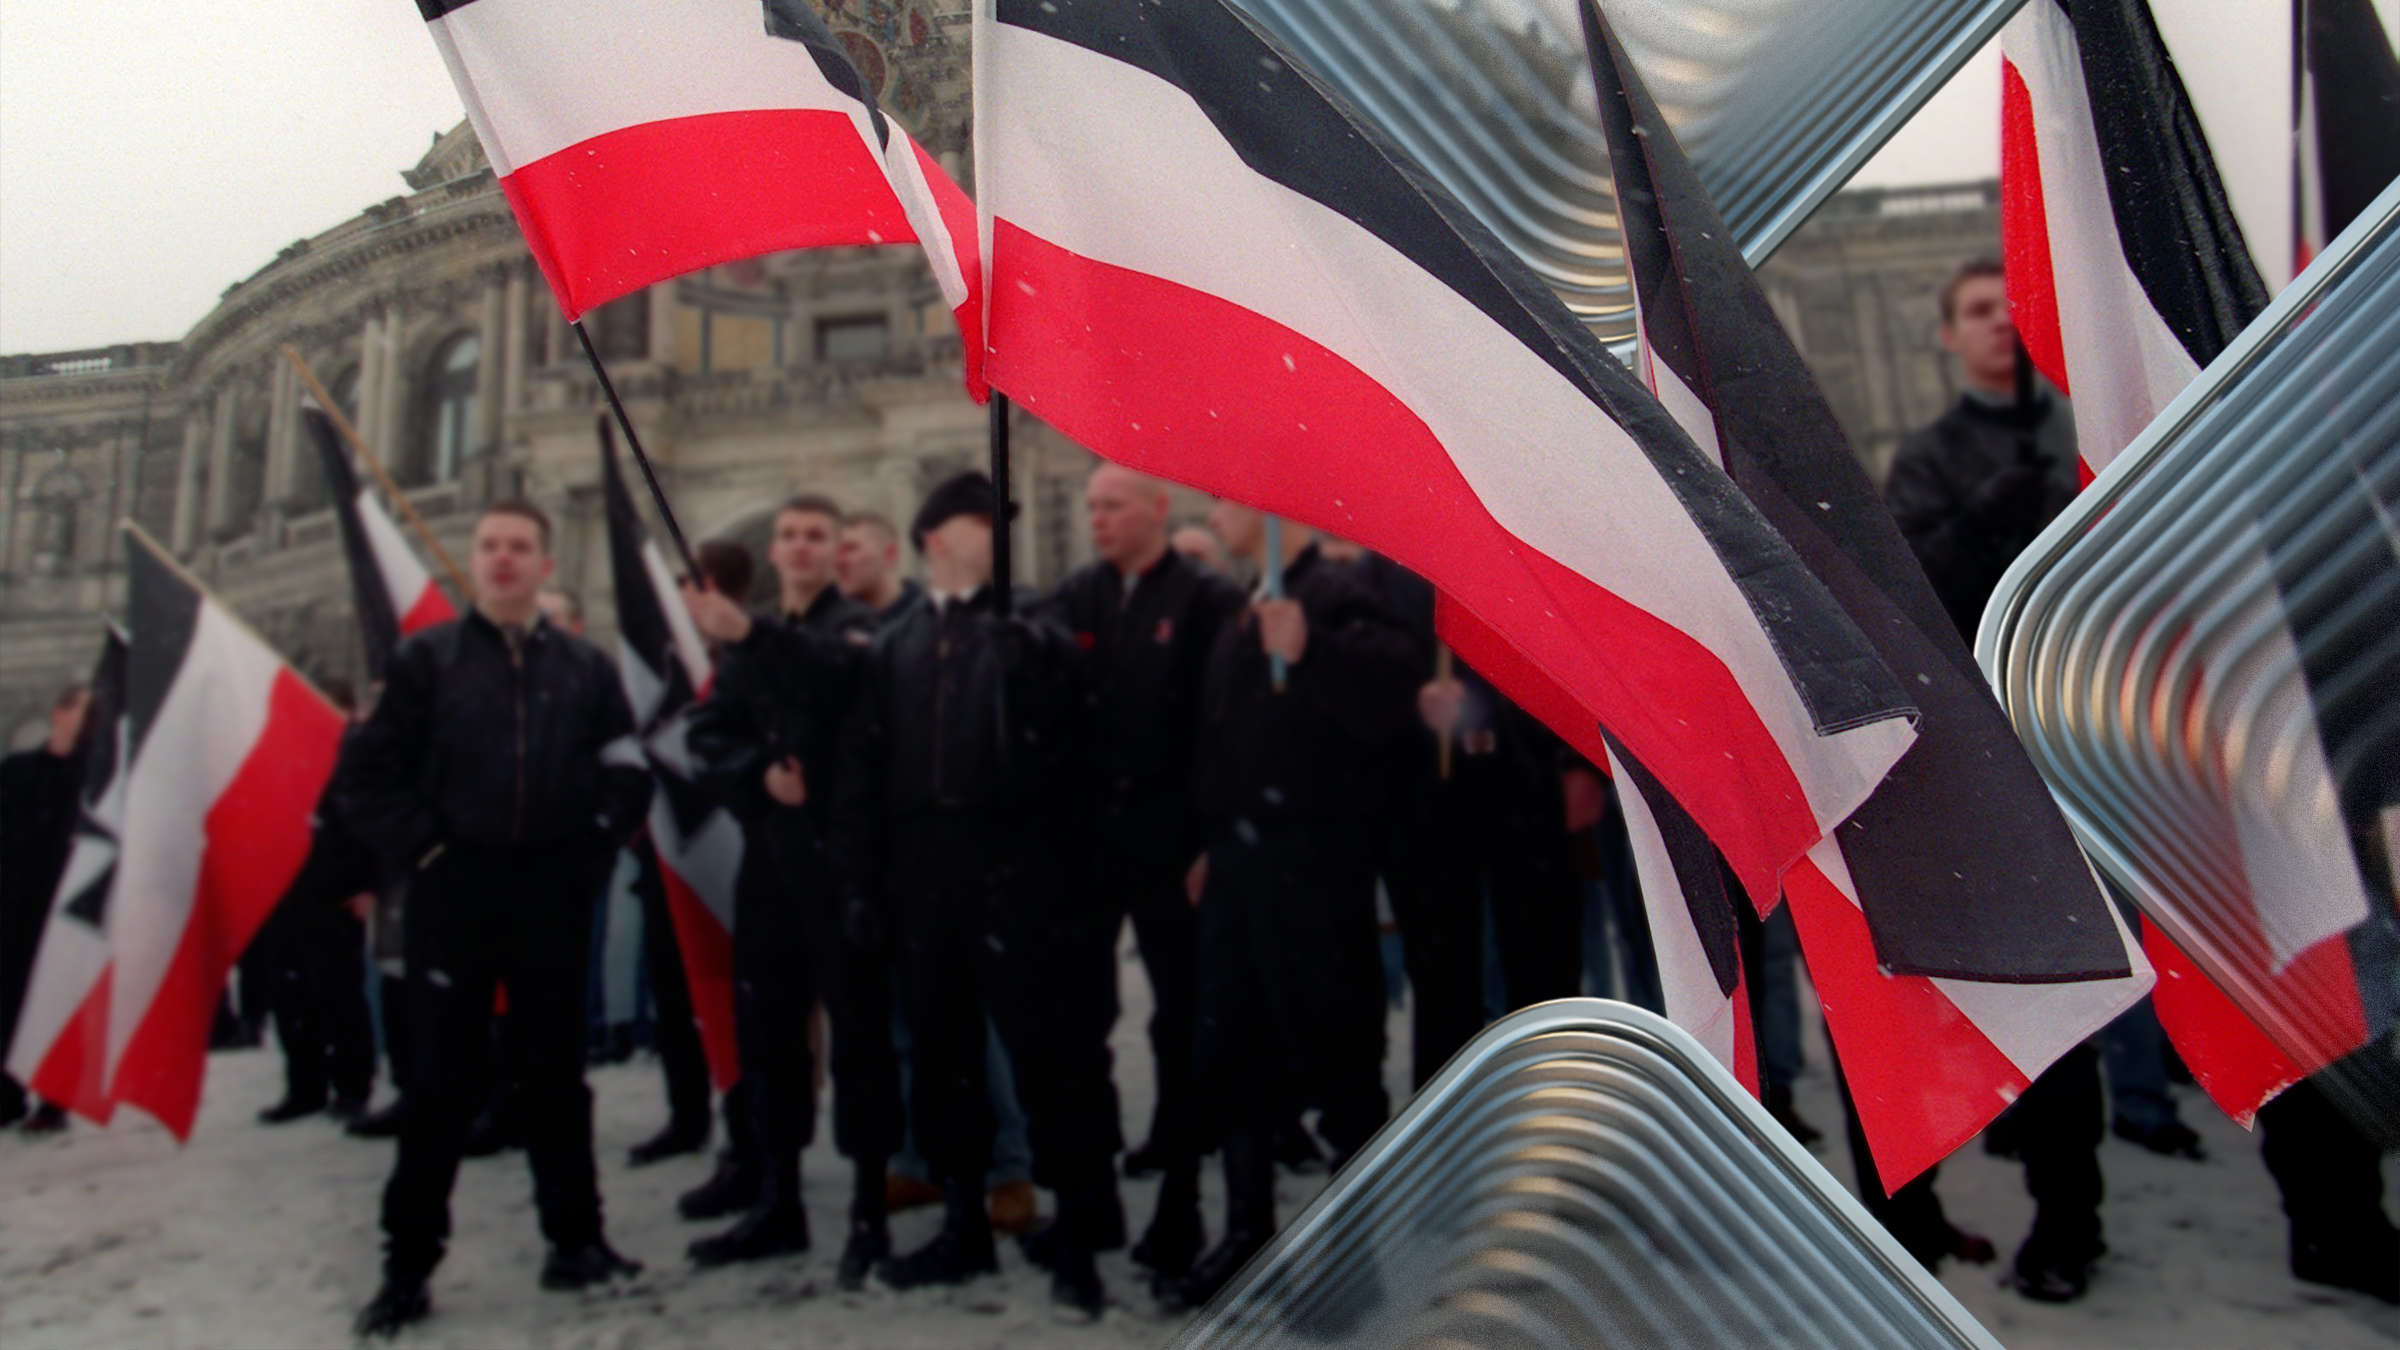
[2014,493]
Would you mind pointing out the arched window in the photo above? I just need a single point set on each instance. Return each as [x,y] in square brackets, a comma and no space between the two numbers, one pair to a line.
[450,402]
[57,512]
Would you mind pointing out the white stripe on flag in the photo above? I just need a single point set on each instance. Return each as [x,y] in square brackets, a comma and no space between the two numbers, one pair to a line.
[1694,1002]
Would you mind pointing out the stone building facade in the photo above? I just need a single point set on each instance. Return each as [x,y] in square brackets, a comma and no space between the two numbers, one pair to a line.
[833,371]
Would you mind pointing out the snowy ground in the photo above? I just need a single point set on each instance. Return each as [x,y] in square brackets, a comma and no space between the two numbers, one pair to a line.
[265,1237]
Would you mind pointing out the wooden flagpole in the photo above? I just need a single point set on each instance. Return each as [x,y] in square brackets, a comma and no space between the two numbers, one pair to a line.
[408,509]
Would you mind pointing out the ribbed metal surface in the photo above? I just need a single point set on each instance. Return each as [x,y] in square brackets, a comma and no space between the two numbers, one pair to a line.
[1583,1174]
[1777,102]
[2170,647]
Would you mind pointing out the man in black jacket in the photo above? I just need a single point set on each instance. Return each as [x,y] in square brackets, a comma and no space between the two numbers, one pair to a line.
[948,833]
[500,766]
[38,799]
[1145,618]
[765,744]
[1291,1001]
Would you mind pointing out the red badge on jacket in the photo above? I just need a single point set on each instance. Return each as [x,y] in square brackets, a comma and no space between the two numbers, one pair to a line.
[1165,633]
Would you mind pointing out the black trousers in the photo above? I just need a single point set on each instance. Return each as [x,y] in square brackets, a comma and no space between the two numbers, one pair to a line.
[1445,852]
[971,942]
[2330,1173]
[478,917]
[1166,929]
[788,952]
[1291,981]
[314,965]
[676,1034]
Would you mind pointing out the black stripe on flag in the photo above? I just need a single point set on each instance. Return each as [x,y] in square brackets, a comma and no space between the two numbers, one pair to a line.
[641,614]
[434,9]
[1946,890]
[163,611]
[370,592]
[2357,86]
[103,732]
[1710,890]
[2173,221]
[1293,132]
[795,21]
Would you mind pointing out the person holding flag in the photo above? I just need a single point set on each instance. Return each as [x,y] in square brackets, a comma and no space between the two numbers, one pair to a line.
[764,742]
[500,766]
[38,796]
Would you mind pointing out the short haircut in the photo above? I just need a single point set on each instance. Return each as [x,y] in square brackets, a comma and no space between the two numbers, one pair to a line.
[871,520]
[522,510]
[70,696]
[573,601]
[728,568]
[812,504]
[1972,270]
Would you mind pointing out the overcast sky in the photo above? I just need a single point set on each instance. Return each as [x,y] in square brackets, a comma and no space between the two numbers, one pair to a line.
[151,155]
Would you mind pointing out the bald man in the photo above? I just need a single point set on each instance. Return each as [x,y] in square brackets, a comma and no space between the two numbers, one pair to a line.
[1145,617]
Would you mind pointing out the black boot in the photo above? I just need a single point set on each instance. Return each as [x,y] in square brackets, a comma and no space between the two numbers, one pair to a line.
[1175,1234]
[961,1251]
[493,1132]
[674,1141]
[732,1190]
[383,1124]
[1145,1161]
[1076,1294]
[1106,1225]
[567,1269]
[401,1301]
[776,1226]
[1249,1223]
[294,1106]
[870,1239]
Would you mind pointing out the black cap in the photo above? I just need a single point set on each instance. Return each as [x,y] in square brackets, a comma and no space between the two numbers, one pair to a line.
[966,493]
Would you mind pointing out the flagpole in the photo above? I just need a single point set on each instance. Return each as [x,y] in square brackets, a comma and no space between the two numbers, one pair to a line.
[633,440]
[408,509]
[1276,669]
[1442,663]
[1003,559]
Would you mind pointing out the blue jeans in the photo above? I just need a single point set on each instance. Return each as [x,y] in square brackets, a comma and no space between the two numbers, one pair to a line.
[1012,1149]
[2134,1049]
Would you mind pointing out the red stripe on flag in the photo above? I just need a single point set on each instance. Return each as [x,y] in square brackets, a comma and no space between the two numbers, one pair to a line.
[1925,1080]
[257,835]
[708,969]
[2025,232]
[1187,386]
[958,221]
[431,607]
[618,212]
[2232,1060]
[73,1072]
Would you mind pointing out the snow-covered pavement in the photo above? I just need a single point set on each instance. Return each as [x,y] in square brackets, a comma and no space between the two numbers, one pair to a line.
[266,1237]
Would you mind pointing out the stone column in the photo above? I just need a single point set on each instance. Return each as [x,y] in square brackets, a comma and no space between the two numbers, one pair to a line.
[370,379]
[555,342]
[662,322]
[187,483]
[491,346]
[10,468]
[392,393]
[512,351]
[220,460]
[282,408]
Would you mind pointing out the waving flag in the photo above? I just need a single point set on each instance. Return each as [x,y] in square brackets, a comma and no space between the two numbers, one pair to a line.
[666,670]
[2348,139]
[1953,919]
[1203,267]
[642,139]
[227,752]
[390,587]
[61,1045]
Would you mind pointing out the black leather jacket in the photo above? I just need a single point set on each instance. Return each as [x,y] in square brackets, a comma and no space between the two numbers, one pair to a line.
[1970,491]
[957,709]
[476,742]
[1144,656]
[783,690]
[1325,746]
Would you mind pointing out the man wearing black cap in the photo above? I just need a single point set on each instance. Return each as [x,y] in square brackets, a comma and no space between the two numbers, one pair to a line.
[765,742]
[951,764]
[1291,1002]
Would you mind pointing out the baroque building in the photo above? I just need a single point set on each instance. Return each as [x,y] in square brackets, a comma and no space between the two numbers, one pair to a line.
[834,371]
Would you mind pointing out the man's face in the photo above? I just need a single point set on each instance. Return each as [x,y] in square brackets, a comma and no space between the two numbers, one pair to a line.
[1243,530]
[866,557]
[1128,516]
[966,541]
[508,561]
[1982,334]
[66,721]
[803,549]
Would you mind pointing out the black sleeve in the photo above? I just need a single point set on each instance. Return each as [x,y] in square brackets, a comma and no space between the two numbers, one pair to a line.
[1361,668]
[728,745]
[625,784]
[856,835]
[384,794]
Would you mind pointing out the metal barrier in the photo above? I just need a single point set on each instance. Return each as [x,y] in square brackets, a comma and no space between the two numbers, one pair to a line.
[1584,1173]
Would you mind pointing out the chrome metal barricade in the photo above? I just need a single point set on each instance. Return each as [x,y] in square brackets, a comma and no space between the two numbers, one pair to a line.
[1584,1174]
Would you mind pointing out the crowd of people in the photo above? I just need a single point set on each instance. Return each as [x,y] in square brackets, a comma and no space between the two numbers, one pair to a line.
[953,801]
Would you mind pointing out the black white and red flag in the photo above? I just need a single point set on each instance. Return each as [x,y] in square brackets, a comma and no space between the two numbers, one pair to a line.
[61,1045]
[1952,921]
[2128,274]
[1206,267]
[643,139]
[223,756]
[390,587]
[666,669]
